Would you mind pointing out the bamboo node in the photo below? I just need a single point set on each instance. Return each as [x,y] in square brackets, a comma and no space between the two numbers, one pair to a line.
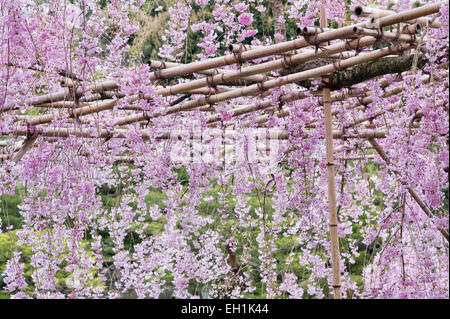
[397,34]
[146,117]
[358,48]
[337,65]
[207,99]
[380,34]
[261,84]
[238,55]
[158,74]
[361,101]
[312,40]
[326,83]
[287,62]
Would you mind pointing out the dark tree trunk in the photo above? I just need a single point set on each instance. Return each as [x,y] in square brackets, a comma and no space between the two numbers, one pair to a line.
[277,12]
[363,72]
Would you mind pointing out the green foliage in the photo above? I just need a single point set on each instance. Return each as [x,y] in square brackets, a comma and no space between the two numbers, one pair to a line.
[10,211]
[8,245]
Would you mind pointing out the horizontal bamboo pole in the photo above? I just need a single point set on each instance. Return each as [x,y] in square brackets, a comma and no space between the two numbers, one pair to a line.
[239,48]
[194,67]
[117,95]
[245,56]
[291,78]
[366,12]
[255,89]
[365,100]
[61,105]
[280,63]
[387,35]
[305,31]
[91,108]
[168,65]
[105,95]
[308,31]
[122,133]
[64,94]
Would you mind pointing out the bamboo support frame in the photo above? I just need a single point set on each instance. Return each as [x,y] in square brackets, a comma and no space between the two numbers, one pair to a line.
[280,63]
[168,65]
[232,59]
[367,12]
[255,89]
[365,99]
[290,45]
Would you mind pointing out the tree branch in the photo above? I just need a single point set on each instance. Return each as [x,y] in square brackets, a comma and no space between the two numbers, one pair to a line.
[363,72]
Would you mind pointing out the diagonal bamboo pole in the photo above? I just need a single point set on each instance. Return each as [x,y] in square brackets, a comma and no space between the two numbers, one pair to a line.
[27,145]
[333,218]
[411,191]
[366,12]
[168,65]
[64,94]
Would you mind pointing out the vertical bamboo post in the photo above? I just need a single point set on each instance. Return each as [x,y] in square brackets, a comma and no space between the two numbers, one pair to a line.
[333,219]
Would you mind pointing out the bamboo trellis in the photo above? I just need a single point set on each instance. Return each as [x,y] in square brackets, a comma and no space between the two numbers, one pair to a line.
[206,83]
